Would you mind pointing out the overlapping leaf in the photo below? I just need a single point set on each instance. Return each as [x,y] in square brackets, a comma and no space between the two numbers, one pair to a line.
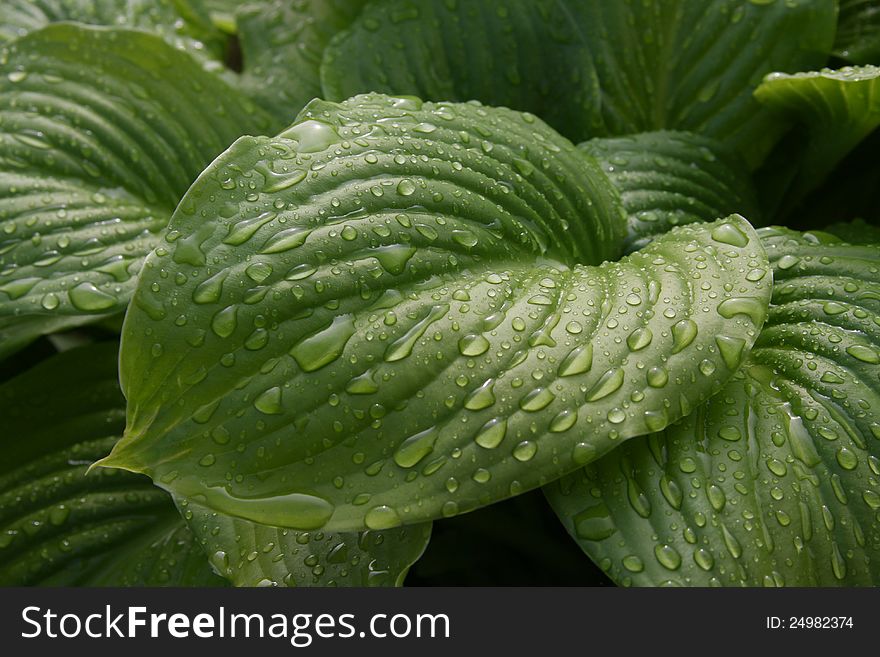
[390,319]
[836,108]
[588,68]
[858,32]
[60,526]
[183,23]
[102,132]
[776,480]
[251,554]
[672,178]
[282,43]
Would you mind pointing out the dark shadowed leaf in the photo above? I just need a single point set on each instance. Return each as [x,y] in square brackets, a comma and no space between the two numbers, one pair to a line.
[60,526]
[671,178]
[589,68]
[858,32]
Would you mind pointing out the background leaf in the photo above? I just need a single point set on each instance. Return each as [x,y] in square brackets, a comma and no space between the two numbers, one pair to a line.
[251,554]
[774,481]
[403,310]
[856,232]
[589,68]
[672,178]
[282,43]
[60,526]
[858,32]
[836,108]
[103,131]
[183,23]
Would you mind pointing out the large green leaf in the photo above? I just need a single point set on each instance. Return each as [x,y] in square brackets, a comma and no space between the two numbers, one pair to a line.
[61,526]
[282,43]
[837,109]
[589,68]
[672,178]
[103,130]
[776,480]
[183,23]
[251,554]
[858,32]
[389,316]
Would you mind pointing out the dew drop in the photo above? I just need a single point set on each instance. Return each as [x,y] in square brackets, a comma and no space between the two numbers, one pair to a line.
[683,333]
[269,402]
[580,360]
[382,517]
[416,447]
[492,433]
[87,297]
[325,346]
[607,384]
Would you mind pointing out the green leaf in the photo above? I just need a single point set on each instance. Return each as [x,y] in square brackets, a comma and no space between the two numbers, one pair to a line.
[60,526]
[837,109]
[402,322]
[858,32]
[183,23]
[251,554]
[589,68]
[774,481]
[856,232]
[282,43]
[670,179]
[103,131]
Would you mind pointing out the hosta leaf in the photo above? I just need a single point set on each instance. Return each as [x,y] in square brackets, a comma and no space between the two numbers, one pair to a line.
[672,178]
[775,479]
[837,109]
[858,32]
[282,43]
[183,23]
[402,322]
[60,526]
[103,131]
[856,232]
[251,554]
[617,67]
